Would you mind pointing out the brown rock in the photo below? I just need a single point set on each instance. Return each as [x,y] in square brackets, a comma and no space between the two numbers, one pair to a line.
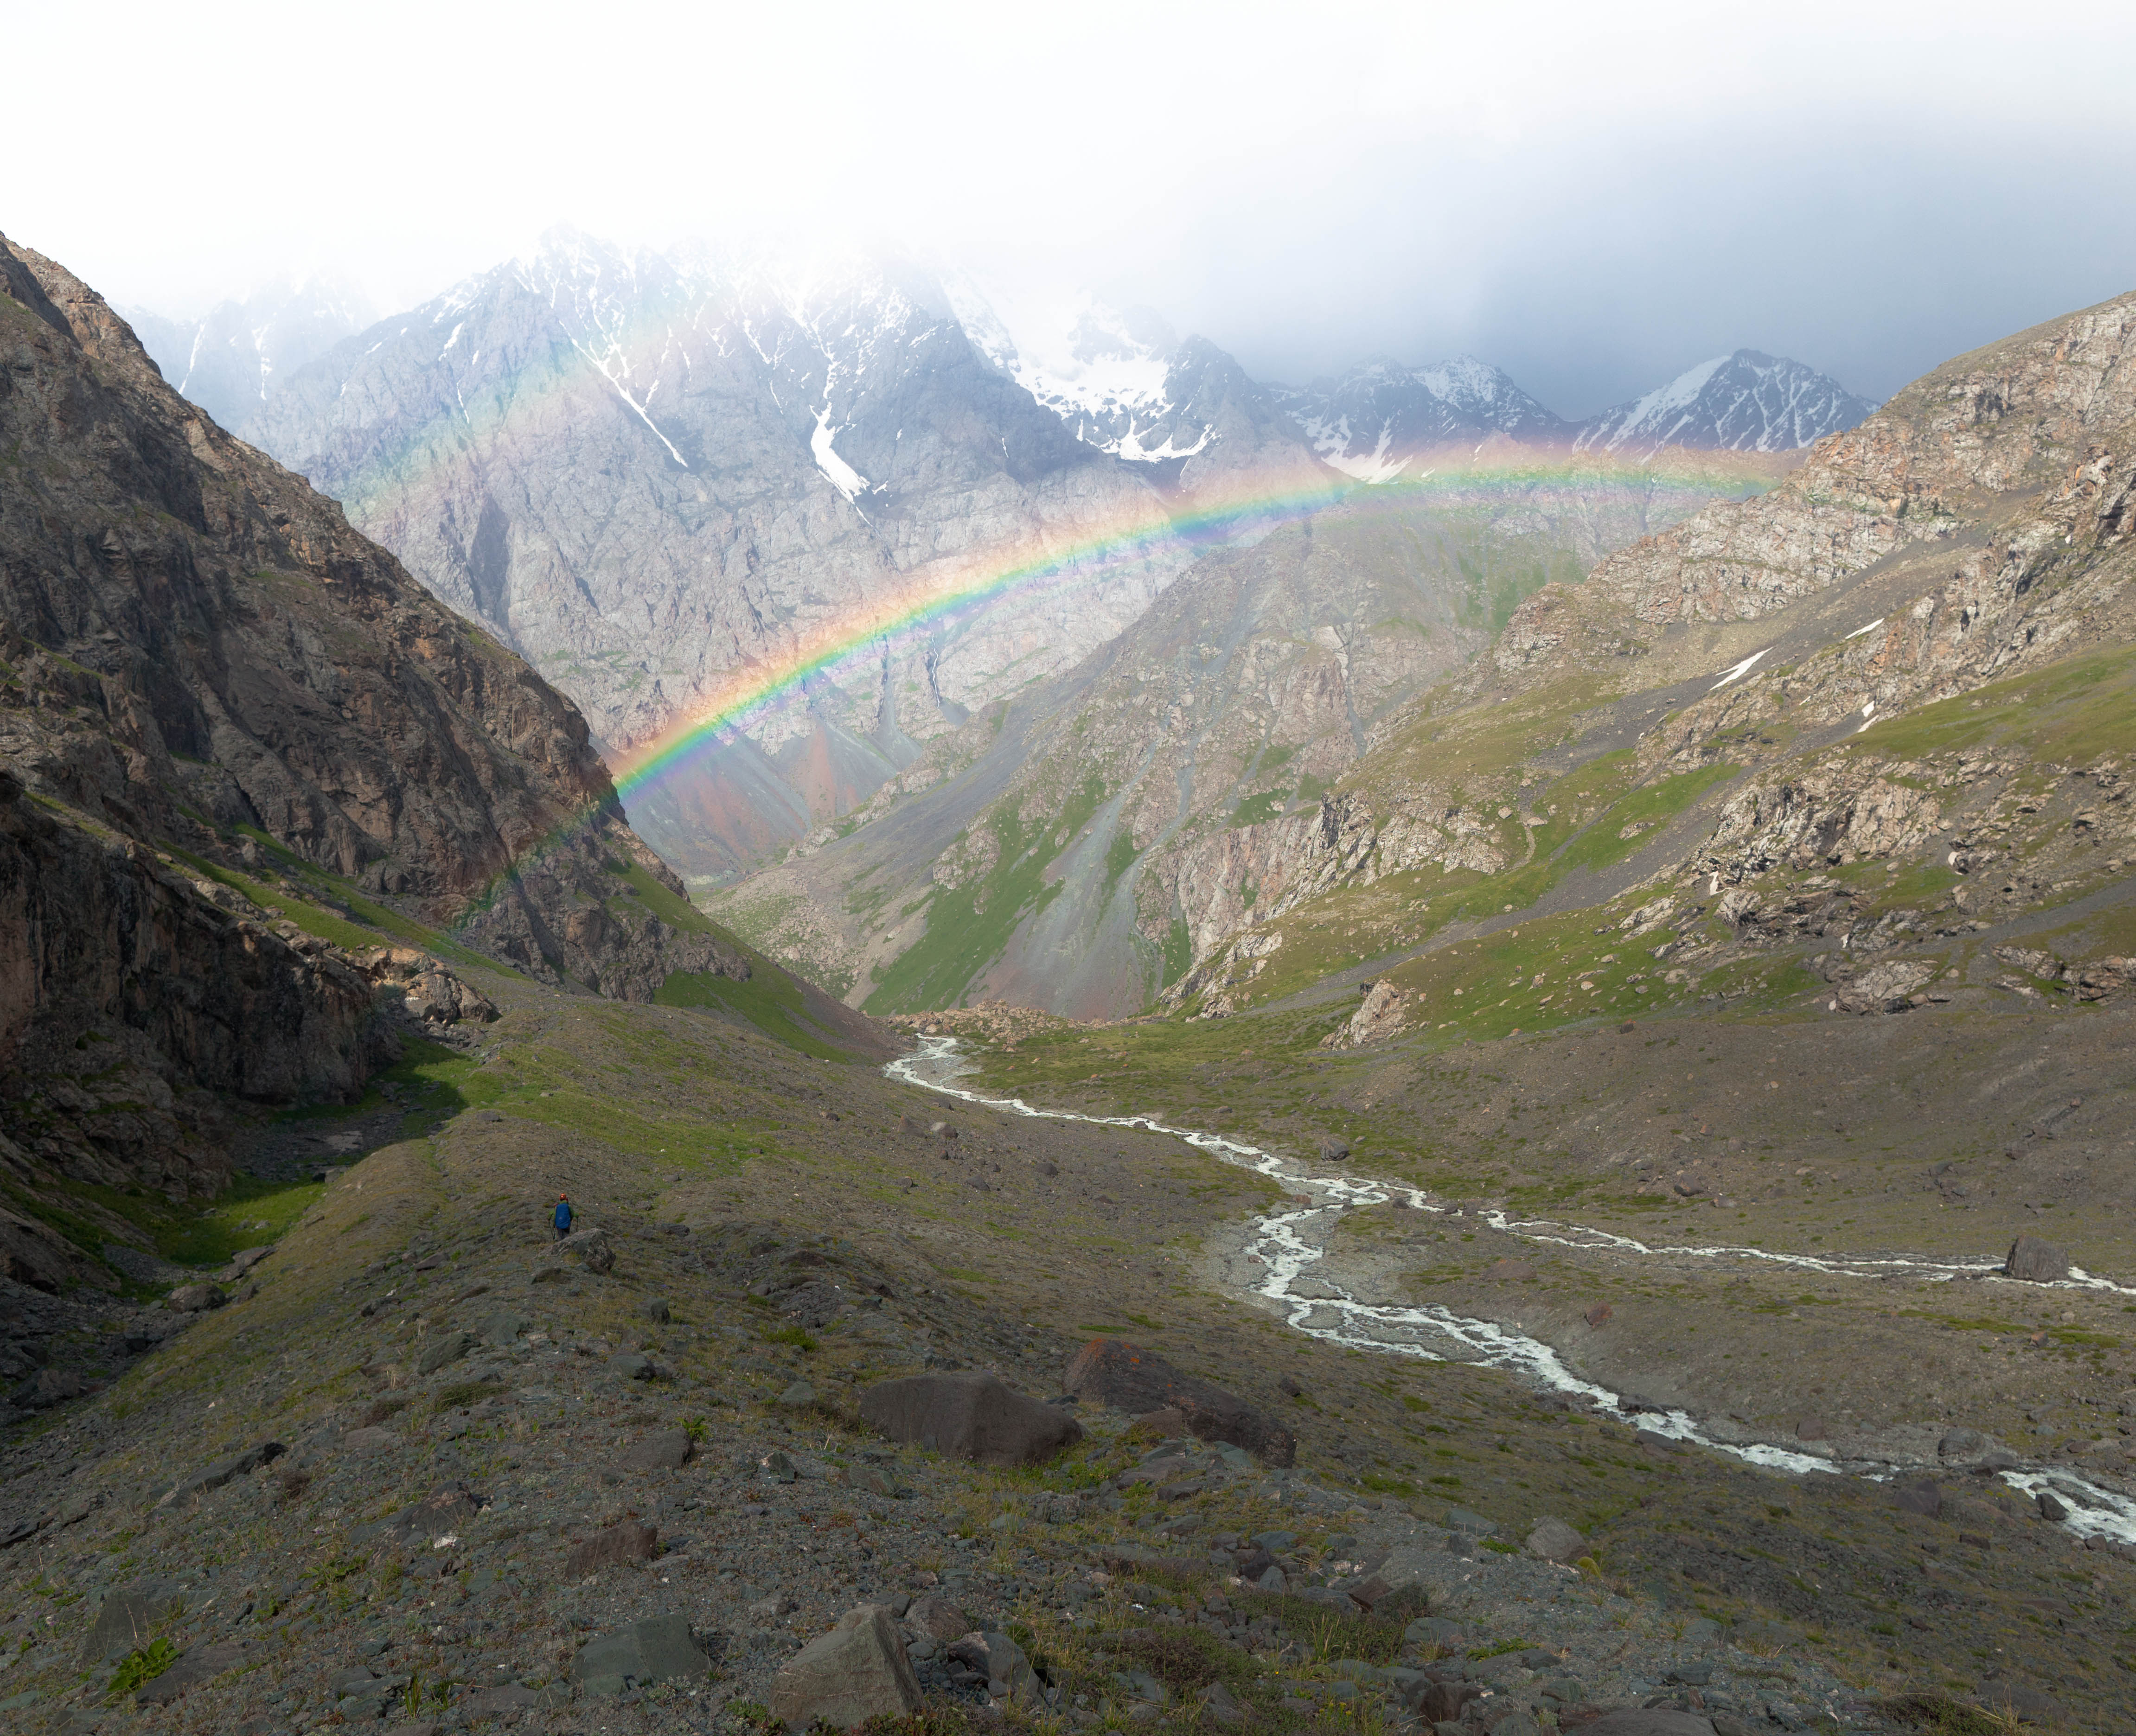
[195,1298]
[939,1617]
[1115,1372]
[1811,1428]
[621,1545]
[1512,1271]
[857,1672]
[1159,1425]
[968,1415]
[1599,1314]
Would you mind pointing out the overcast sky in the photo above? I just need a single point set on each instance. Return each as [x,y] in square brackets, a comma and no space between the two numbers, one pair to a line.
[1590,202]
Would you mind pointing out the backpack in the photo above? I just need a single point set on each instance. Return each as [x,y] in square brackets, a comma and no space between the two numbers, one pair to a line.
[563,1215]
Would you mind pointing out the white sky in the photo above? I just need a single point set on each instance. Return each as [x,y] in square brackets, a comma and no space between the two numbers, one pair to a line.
[1590,197]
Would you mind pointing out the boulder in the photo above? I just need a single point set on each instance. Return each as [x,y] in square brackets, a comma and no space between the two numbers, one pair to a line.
[1648,1721]
[2035,1261]
[1924,1499]
[504,1328]
[196,1666]
[1001,1664]
[1599,1314]
[1883,988]
[593,1247]
[1405,1574]
[2051,1507]
[969,1415]
[1115,1372]
[622,1543]
[660,1649]
[1553,1539]
[242,1464]
[1512,1271]
[938,1618]
[1968,1449]
[195,1298]
[630,1365]
[443,1350]
[124,1622]
[857,1672]
[669,1449]
[799,1396]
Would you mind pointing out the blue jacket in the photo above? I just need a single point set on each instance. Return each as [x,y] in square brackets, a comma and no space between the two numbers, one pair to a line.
[563,1215]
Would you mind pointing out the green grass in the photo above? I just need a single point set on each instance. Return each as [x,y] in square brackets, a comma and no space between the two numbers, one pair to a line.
[968,926]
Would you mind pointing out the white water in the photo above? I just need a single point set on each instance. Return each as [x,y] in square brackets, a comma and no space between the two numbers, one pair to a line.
[1289,1244]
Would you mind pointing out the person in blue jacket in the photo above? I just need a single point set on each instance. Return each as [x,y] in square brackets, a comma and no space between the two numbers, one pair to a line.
[563,1216]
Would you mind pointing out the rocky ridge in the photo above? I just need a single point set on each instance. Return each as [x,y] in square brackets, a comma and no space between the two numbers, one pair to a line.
[215,696]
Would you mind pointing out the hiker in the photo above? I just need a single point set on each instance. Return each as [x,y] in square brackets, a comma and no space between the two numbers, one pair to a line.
[563,1216]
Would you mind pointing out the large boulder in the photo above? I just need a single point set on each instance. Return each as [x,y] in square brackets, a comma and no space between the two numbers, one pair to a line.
[620,1545]
[242,1464]
[2036,1260]
[660,1649]
[938,1618]
[857,1672]
[595,1252]
[1117,1373]
[969,1415]
[443,1350]
[1554,1540]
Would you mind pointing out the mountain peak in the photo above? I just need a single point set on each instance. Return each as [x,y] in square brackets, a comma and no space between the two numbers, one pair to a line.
[1745,401]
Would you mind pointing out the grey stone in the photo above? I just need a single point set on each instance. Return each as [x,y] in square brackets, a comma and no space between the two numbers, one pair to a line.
[195,1298]
[968,1415]
[800,1396]
[242,1464]
[1274,1580]
[660,1649]
[2051,1506]
[197,1666]
[1460,1519]
[1554,1540]
[2036,1260]
[2026,1704]
[1000,1663]
[503,1328]
[126,1621]
[939,1617]
[669,1449]
[857,1672]
[593,1247]
[657,1310]
[443,1350]
[630,1365]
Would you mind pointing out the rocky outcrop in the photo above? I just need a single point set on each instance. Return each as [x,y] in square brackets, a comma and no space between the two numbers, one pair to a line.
[207,680]
[1382,1013]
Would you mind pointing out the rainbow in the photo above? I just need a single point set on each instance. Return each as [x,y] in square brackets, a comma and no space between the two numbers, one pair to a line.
[919,605]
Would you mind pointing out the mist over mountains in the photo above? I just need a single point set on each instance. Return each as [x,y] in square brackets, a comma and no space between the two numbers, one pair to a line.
[659,475]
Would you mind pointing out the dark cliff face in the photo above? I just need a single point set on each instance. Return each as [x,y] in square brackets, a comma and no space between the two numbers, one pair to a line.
[226,652]
[202,665]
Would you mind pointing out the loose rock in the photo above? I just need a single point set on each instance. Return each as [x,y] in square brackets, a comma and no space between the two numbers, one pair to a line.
[1115,1372]
[857,1672]
[969,1415]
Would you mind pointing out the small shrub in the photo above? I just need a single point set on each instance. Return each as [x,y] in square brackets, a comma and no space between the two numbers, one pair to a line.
[379,1409]
[144,1665]
[1186,1659]
[795,1336]
[697,1428]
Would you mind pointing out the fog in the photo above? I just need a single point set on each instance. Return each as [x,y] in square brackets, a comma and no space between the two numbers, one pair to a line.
[1591,204]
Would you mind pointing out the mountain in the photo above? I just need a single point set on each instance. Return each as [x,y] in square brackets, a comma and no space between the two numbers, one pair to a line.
[1070,850]
[245,763]
[1745,402]
[233,358]
[648,472]
[1382,419]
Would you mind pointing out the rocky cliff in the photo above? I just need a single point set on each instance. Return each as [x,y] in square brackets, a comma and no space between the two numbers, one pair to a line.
[203,668]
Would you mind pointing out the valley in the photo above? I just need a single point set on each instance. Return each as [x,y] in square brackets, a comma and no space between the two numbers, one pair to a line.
[1413,1092]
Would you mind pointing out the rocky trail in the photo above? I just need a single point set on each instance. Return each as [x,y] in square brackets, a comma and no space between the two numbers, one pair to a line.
[1283,1257]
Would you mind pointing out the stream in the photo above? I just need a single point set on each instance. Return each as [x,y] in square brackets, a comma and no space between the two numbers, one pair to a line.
[1288,1244]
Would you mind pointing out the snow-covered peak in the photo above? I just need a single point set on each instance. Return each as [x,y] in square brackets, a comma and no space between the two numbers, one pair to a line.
[1747,401]
[1377,421]
[1105,371]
